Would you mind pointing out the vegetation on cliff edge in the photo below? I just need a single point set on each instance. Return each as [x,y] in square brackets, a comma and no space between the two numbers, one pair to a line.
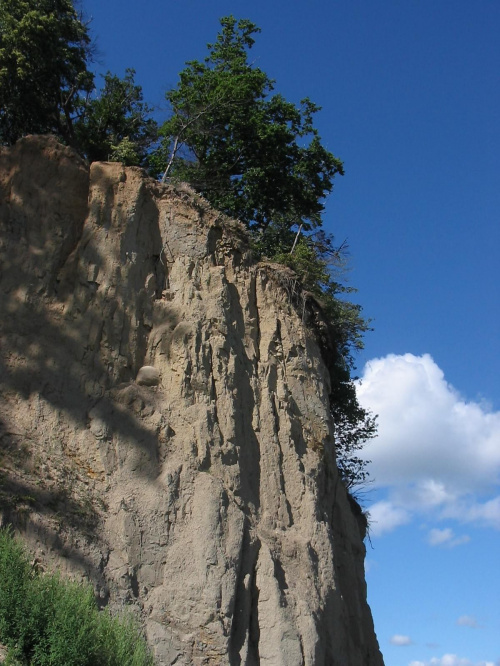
[254,155]
[47,621]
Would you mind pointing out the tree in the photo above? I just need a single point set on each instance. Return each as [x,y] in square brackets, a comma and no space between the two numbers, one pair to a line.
[254,156]
[44,49]
[45,86]
[115,124]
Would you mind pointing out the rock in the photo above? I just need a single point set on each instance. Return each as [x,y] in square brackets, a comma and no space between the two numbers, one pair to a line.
[148,376]
[211,505]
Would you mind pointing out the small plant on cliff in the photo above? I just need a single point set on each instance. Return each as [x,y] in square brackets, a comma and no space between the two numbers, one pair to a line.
[45,621]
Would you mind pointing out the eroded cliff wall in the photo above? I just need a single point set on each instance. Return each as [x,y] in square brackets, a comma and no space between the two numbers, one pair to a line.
[204,492]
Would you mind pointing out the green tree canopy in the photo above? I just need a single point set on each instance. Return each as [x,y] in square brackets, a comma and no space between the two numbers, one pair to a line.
[115,124]
[253,155]
[46,86]
[44,49]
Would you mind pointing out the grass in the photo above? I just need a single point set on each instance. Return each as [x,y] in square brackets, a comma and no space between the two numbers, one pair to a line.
[47,621]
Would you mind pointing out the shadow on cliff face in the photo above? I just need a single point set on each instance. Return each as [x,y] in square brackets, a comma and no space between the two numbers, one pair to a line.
[46,510]
[19,499]
[58,329]
[245,626]
[245,439]
[49,357]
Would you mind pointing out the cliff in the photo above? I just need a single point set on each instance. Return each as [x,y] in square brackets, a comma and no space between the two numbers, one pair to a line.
[164,423]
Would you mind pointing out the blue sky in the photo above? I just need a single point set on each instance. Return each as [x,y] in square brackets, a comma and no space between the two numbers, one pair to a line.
[410,100]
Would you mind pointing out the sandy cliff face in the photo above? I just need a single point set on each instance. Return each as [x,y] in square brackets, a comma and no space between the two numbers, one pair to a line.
[203,490]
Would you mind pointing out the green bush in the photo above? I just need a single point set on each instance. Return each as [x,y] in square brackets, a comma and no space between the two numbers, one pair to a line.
[46,621]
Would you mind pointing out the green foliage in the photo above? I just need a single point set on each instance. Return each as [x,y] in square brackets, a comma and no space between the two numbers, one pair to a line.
[320,267]
[354,426]
[15,575]
[254,156]
[44,48]
[45,621]
[124,151]
[115,125]
[45,86]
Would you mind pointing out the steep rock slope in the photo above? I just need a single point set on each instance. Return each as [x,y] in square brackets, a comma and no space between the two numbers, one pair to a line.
[200,489]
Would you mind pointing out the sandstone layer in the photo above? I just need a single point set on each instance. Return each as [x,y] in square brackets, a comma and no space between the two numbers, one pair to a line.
[164,425]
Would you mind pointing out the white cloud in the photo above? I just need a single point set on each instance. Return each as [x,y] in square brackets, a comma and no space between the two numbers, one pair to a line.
[467,621]
[370,565]
[446,537]
[468,510]
[451,660]
[436,452]
[398,639]
[384,517]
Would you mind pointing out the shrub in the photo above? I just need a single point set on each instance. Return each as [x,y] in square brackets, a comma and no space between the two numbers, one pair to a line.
[46,621]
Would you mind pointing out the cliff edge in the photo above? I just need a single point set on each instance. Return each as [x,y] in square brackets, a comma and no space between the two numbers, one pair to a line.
[164,420]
